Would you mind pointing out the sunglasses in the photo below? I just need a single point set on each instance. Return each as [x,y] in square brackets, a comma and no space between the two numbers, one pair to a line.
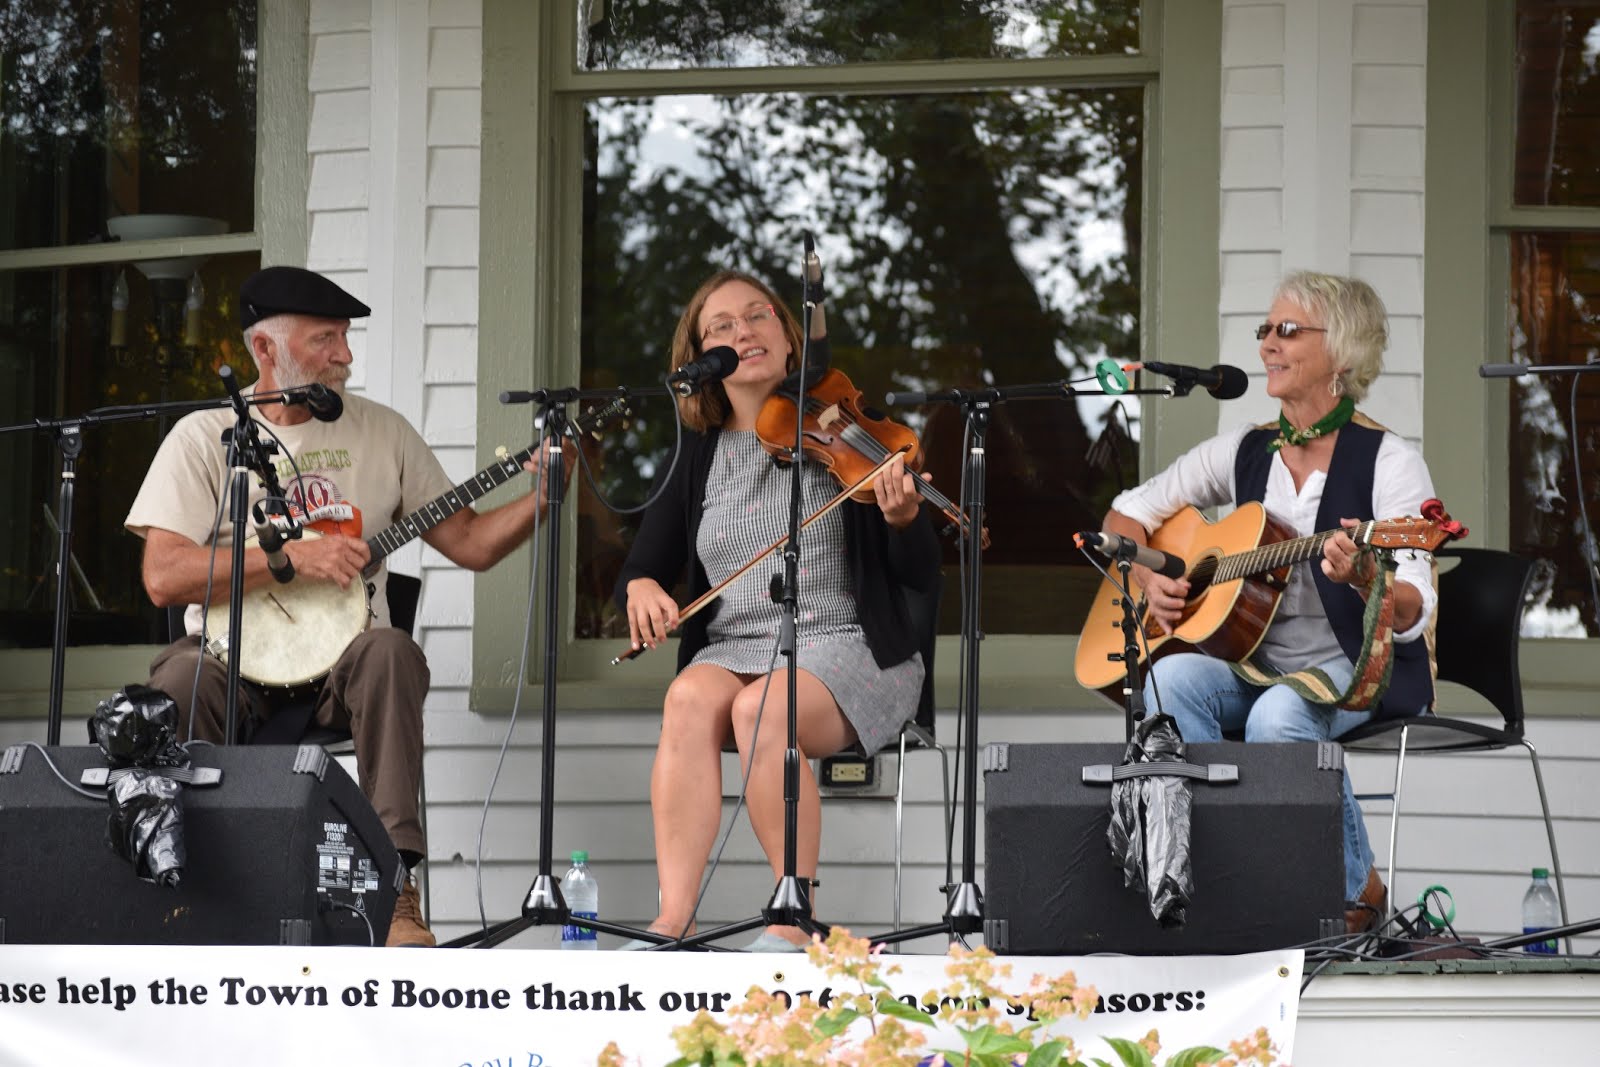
[1285,330]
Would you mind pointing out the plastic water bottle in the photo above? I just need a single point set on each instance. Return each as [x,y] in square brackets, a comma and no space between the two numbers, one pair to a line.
[1540,911]
[582,895]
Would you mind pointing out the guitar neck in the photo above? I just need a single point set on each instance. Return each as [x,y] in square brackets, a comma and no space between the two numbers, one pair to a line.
[447,504]
[1283,553]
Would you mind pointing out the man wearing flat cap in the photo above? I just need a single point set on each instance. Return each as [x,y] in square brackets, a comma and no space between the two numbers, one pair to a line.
[349,479]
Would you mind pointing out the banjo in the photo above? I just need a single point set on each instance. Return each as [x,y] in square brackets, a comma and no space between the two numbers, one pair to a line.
[312,622]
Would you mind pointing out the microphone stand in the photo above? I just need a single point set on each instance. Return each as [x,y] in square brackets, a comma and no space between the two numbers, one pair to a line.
[1133,687]
[790,903]
[68,436]
[543,904]
[964,900]
[247,454]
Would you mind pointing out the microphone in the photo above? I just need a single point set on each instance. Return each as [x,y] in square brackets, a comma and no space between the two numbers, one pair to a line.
[271,540]
[819,352]
[325,404]
[1222,381]
[230,382]
[1115,546]
[713,365]
[1516,370]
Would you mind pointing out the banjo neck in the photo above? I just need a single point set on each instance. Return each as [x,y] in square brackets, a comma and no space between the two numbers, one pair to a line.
[496,474]
[431,514]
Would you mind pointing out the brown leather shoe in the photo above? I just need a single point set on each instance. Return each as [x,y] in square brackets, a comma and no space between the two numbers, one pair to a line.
[1371,906]
[406,929]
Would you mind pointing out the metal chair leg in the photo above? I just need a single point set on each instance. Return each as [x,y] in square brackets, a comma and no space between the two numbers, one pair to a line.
[926,741]
[1394,810]
[1550,832]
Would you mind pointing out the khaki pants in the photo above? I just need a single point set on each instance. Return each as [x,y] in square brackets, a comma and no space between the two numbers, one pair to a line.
[375,691]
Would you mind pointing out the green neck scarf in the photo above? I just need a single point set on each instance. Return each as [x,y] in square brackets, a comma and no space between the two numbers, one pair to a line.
[1333,420]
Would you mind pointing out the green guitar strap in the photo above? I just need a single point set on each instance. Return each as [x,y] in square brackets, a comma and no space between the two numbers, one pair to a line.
[1373,668]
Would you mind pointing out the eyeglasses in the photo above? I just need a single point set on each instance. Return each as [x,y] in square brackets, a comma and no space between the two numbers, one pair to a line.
[727,327]
[1285,330]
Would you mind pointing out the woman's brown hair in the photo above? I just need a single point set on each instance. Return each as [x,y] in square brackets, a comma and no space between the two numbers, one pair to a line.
[708,406]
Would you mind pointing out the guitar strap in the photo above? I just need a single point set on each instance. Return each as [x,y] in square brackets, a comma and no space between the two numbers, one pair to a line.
[1374,666]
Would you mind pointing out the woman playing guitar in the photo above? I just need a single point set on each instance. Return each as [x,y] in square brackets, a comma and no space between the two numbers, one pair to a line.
[1320,467]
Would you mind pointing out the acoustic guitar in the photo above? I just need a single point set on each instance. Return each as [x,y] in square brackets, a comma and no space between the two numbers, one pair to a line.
[294,633]
[1238,568]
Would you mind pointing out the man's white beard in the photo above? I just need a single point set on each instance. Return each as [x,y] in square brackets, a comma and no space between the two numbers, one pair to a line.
[291,375]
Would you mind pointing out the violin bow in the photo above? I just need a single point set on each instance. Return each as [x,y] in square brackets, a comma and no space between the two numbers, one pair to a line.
[711,594]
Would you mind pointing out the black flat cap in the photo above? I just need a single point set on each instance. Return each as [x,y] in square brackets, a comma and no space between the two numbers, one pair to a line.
[294,291]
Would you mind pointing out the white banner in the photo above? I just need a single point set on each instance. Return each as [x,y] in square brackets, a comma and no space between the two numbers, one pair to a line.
[518,1008]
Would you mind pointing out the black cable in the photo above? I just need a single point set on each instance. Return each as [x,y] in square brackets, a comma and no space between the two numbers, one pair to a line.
[330,904]
[677,452]
[516,696]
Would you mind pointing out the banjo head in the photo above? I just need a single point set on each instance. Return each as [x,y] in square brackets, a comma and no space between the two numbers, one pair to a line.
[293,633]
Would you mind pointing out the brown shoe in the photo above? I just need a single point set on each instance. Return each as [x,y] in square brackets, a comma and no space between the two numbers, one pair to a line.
[1370,907]
[406,929]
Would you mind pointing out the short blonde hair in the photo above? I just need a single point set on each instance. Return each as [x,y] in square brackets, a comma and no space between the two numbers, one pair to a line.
[1356,321]
[709,406]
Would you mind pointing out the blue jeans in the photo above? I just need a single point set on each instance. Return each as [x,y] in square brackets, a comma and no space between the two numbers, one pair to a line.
[1207,699]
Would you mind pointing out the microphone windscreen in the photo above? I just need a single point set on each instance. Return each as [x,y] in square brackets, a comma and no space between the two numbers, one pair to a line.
[721,361]
[1231,382]
[326,404]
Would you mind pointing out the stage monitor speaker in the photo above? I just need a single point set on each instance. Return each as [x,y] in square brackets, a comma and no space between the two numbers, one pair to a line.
[1266,853]
[283,850]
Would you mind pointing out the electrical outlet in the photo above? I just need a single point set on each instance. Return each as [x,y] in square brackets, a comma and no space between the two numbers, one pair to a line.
[849,773]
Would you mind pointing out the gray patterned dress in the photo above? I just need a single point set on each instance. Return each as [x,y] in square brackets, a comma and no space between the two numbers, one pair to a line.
[747,509]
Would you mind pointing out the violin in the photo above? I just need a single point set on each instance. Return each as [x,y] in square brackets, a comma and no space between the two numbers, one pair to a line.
[839,433]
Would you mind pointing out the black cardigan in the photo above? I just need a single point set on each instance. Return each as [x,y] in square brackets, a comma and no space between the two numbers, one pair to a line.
[884,562]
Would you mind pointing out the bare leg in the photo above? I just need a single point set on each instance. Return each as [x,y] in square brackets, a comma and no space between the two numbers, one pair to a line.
[821,730]
[686,786]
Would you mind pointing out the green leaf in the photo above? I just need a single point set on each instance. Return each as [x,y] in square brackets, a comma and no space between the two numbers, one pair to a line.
[986,1040]
[1098,1060]
[901,1010]
[836,1022]
[1047,1055]
[1131,1053]
[1194,1057]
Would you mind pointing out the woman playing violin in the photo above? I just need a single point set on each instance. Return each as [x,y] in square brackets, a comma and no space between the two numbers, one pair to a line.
[860,670]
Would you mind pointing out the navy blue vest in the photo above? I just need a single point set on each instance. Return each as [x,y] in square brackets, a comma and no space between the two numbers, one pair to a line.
[1346,494]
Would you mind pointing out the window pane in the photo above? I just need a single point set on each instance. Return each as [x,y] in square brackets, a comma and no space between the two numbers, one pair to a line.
[968,239]
[125,107]
[57,360]
[1555,291]
[639,34]
[1558,103]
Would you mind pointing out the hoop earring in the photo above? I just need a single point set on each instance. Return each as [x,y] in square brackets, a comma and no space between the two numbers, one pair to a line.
[1336,387]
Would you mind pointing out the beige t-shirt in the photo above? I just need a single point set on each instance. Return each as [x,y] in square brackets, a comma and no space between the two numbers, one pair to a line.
[357,475]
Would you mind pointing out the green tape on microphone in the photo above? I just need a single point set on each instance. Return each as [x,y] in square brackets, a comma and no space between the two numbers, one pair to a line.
[1110,377]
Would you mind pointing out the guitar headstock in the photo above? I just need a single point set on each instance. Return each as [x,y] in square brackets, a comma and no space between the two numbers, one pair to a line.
[1426,533]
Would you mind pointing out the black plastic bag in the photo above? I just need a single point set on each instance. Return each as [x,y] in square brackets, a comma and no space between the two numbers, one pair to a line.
[1150,822]
[137,731]
[138,727]
[146,825]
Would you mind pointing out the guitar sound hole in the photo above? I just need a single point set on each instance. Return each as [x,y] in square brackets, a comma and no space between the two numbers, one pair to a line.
[1200,580]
